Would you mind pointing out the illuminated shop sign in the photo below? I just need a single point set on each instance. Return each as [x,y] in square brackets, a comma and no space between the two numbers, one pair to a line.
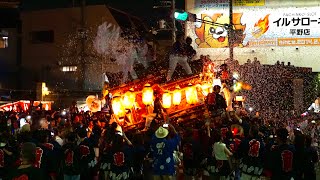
[22,105]
[257,26]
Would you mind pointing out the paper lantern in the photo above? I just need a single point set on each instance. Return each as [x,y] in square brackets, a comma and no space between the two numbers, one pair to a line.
[129,99]
[176,96]
[206,88]
[166,100]
[191,94]
[117,106]
[147,95]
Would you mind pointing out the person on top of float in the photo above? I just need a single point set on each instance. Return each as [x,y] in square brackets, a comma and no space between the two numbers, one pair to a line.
[190,52]
[127,55]
[315,106]
[142,51]
[177,55]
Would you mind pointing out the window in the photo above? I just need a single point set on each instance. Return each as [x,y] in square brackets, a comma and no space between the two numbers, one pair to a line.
[42,37]
[69,68]
[4,38]
[3,42]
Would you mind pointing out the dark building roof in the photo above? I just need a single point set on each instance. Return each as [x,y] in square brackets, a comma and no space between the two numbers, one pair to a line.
[141,8]
[127,21]
[33,5]
[123,18]
[8,17]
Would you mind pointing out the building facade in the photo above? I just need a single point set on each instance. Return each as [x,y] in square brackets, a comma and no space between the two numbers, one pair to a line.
[271,30]
[57,46]
[10,49]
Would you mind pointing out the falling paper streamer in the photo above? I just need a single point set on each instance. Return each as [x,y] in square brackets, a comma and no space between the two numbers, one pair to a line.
[107,37]
[109,43]
[102,43]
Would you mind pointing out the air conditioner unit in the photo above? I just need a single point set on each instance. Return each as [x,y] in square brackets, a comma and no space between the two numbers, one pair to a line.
[162,24]
[163,4]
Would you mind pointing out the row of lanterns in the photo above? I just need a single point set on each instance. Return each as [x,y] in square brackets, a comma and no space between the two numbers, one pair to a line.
[127,101]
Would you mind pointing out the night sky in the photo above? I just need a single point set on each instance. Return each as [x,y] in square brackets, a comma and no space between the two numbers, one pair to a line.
[8,18]
[142,8]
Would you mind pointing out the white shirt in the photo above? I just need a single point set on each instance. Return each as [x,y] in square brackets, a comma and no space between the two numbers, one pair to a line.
[59,140]
[315,107]
[219,151]
[105,78]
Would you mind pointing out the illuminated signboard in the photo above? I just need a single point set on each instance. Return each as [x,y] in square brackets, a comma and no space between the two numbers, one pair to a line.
[259,25]
[269,30]
[20,106]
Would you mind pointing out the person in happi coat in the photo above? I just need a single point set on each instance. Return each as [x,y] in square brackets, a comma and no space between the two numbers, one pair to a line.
[282,157]
[191,150]
[9,154]
[251,153]
[162,148]
[71,158]
[26,169]
[121,158]
[46,158]
[87,159]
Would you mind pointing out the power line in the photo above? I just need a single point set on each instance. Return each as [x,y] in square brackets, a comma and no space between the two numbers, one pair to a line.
[20,90]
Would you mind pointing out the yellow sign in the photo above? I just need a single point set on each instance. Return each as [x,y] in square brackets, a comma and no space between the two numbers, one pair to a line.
[263,42]
[298,41]
[285,42]
[249,2]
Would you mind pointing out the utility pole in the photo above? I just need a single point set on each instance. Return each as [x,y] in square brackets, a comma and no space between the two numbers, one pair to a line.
[230,30]
[83,41]
[173,21]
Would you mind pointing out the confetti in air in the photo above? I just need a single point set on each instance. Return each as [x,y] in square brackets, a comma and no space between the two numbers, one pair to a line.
[272,87]
[102,44]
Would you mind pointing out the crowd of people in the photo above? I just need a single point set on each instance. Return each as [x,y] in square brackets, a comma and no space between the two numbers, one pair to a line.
[222,142]
[223,145]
